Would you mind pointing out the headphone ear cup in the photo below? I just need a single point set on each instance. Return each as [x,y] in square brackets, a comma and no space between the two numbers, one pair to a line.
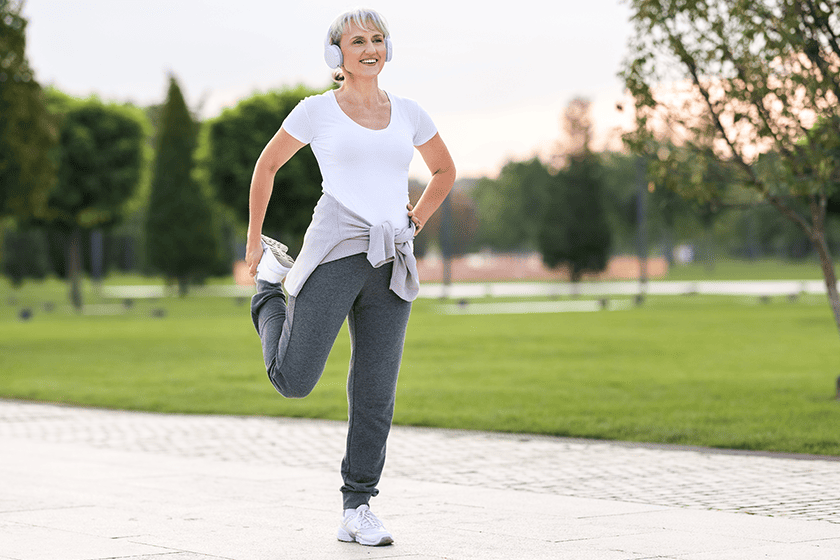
[333,56]
[389,49]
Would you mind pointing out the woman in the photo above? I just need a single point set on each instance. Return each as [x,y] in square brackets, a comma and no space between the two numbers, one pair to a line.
[357,259]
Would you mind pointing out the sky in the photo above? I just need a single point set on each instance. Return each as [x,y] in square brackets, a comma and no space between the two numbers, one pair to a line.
[494,75]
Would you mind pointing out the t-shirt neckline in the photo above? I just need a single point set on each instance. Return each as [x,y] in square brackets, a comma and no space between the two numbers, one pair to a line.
[340,110]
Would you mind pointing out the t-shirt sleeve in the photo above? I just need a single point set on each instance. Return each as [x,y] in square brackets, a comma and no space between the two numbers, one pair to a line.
[424,127]
[297,123]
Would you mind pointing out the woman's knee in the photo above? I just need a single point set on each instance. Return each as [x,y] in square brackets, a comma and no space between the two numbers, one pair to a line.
[291,386]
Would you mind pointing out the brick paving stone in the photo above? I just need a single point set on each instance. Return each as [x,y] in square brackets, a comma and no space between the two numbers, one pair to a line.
[760,484]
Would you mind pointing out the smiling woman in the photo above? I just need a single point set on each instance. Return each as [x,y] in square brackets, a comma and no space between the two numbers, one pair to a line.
[357,263]
[369,30]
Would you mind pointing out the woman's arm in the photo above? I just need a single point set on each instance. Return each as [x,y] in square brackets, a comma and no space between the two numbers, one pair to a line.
[276,153]
[437,158]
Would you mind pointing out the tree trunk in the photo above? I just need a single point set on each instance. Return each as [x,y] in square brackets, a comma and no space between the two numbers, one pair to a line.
[829,274]
[817,235]
[97,260]
[709,257]
[183,286]
[74,268]
[575,276]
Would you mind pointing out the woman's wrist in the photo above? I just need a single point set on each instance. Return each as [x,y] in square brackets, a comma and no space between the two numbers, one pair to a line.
[254,233]
[418,221]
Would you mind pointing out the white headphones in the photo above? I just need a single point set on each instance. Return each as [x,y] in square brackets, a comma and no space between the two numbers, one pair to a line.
[334,57]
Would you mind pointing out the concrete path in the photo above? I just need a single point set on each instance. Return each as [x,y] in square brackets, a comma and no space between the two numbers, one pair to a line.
[85,484]
[458,290]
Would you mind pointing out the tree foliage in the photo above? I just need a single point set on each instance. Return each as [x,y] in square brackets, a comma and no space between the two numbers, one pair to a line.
[100,161]
[27,133]
[235,140]
[750,85]
[574,228]
[25,255]
[573,225]
[463,222]
[509,206]
[181,238]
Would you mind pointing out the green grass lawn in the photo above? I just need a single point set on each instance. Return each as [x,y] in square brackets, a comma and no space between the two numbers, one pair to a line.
[715,371]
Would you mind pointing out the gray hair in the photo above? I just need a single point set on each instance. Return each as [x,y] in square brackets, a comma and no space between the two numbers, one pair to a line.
[363,18]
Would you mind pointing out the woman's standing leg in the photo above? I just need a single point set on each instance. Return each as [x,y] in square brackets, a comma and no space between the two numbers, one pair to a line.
[377,322]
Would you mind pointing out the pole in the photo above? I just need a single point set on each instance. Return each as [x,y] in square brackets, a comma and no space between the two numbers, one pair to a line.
[641,226]
[446,243]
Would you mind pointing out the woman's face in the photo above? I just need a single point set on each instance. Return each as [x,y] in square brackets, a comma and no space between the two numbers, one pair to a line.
[363,50]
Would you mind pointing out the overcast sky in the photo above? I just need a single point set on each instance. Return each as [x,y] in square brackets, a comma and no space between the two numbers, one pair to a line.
[494,75]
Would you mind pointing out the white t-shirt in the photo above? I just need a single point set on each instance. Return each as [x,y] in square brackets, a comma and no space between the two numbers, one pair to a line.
[365,170]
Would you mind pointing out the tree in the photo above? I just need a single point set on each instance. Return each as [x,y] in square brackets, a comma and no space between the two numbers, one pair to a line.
[754,87]
[234,141]
[181,238]
[27,133]
[508,207]
[573,226]
[25,254]
[463,222]
[100,161]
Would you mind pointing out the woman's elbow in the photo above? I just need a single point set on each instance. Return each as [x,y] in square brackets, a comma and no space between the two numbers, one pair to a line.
[265,168]
[449,173]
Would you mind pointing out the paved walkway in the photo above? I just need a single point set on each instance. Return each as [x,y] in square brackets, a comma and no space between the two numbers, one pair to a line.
[759,288]
[85,484]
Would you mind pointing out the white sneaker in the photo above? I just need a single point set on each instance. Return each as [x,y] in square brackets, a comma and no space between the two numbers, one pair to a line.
[361,526]
[275,263]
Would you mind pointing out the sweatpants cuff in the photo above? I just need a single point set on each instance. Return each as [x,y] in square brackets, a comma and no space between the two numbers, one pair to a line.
[265,292]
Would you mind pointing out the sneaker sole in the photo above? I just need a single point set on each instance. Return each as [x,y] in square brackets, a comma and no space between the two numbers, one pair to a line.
[344,536]
[278,250]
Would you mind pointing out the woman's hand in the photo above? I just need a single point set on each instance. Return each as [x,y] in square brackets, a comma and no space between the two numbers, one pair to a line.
[253,254]
[418,223]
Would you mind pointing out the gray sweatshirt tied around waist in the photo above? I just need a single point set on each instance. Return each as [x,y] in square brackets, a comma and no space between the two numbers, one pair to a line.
[337,231]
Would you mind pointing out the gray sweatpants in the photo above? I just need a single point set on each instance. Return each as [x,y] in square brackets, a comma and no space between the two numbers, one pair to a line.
[296,340]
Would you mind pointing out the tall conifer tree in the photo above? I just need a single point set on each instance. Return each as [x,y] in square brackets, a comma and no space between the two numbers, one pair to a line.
[181,241]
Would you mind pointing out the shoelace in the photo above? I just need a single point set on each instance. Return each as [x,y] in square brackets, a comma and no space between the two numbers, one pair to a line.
[368,520]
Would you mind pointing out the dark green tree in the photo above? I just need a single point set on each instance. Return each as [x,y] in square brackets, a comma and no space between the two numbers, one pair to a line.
[619,176]
[509,207]
[100,161]
[25,254]
[573,225]
[182,240]
[27,132]
[753,85]
[234,141]
[463,224]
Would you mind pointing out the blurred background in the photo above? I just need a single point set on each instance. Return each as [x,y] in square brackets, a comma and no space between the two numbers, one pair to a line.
[647,191]
[517,94]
